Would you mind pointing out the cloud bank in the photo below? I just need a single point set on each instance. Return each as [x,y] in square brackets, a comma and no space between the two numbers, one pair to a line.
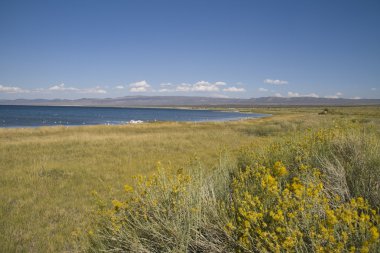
[62,88]
[12,89]
[200,86]
[233,89]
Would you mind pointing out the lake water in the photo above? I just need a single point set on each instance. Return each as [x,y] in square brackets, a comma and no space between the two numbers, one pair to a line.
[34,116]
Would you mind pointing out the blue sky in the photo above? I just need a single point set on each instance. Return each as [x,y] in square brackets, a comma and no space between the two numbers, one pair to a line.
[236,48]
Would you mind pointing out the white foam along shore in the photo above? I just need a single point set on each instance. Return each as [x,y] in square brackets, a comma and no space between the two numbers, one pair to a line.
[135,121]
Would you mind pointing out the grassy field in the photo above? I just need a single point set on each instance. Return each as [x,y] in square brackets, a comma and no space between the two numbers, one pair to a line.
[48,174]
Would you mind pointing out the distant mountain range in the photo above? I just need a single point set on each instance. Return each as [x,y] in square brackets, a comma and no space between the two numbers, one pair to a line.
[176,101]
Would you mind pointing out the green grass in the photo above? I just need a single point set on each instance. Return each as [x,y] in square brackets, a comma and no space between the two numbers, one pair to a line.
[48,173]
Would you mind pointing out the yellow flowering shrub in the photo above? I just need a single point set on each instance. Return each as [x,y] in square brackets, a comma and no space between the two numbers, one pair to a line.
[271,211]
[345,149]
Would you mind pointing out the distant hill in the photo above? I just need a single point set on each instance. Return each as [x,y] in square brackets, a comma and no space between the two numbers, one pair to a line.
[166,101]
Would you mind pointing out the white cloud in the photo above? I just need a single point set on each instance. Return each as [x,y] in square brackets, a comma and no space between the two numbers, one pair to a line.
[62,88]
[58,88]
[373,89]
[277,95]
[339,93]
[184,87]
[263,89]
[165,90]
[234,89]
[138,89]
[296,94]
[275,81]
[12,89]
[119,87]
[141,86]
[200,86]
[205,86]
[356,98]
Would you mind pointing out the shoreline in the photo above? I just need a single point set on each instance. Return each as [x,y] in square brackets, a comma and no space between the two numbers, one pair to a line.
[65,120]
[139,123]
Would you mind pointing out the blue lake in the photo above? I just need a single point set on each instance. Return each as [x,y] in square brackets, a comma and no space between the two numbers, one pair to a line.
[34,116]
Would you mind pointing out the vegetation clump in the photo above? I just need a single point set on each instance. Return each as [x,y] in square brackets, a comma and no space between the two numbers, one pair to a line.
[272,212]
[295,195]
[161,213]
[324,112]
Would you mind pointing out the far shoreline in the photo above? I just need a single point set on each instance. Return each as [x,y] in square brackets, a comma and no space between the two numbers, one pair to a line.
[244,115]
